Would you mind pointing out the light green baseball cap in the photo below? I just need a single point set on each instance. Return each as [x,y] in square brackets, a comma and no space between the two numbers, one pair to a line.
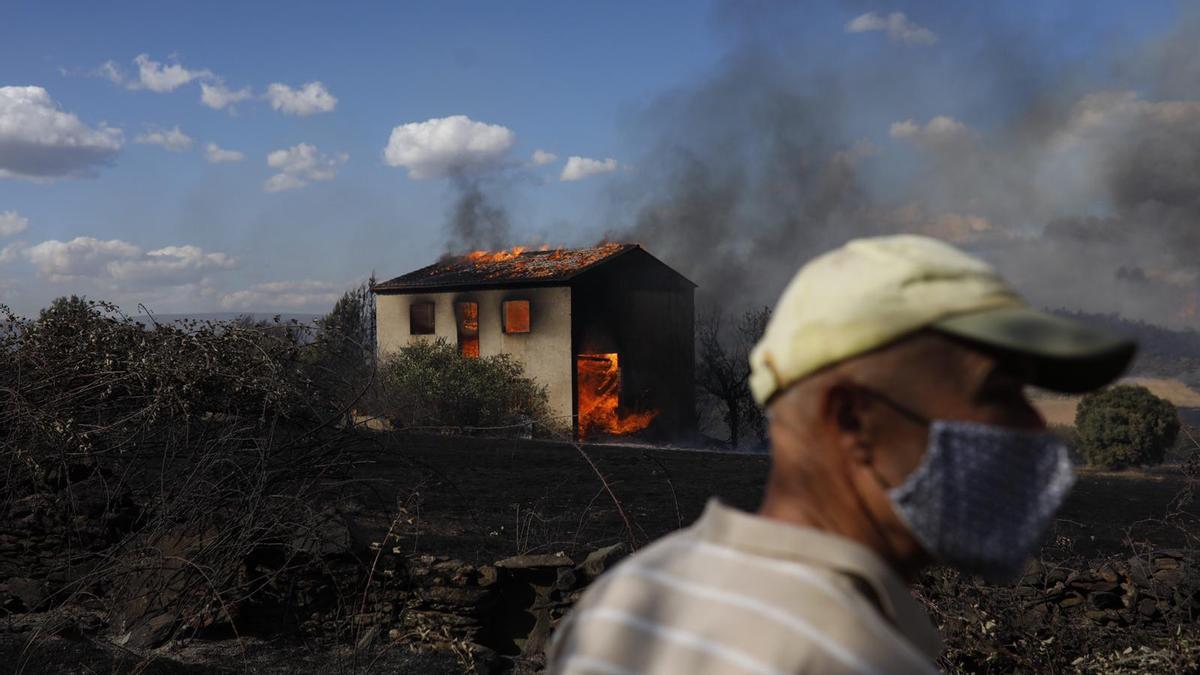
[874,291]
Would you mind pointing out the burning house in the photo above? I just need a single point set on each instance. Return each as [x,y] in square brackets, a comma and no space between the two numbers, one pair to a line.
[607,329]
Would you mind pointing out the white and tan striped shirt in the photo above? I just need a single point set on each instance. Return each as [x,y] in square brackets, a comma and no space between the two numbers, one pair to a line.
[738,593]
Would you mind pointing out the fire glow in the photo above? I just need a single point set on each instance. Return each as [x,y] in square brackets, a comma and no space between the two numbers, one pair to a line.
[512,253]
[599,377]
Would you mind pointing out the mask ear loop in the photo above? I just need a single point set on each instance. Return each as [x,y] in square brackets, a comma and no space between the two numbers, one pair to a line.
[912,416]
[905,412]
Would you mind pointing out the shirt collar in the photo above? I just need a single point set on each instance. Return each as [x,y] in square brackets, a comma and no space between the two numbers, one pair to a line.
[776,539]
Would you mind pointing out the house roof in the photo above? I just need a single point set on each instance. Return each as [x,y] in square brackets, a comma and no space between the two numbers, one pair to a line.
[506,268]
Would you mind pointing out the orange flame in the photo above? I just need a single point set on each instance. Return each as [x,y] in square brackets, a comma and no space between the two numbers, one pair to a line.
[495,256]
[599,377]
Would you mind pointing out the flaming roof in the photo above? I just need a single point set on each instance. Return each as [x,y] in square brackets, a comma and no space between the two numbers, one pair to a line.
[503,268]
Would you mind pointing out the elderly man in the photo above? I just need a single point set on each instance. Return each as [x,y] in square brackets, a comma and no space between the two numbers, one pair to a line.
[893,373]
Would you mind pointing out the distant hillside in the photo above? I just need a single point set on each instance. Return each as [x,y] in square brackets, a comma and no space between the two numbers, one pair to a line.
[230,316]
[1161,351]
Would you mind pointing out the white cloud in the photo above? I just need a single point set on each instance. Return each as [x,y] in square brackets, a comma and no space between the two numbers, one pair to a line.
[217,155]
[170,139]
[217,96]
[310,99]
[12,223]
[445,145]
[37,140]
[110,71]
[317,295]
[160,77]
[299,165]
[938,130]
[9,253]
[578,168]
[898,27]
[119,264]
[541,157]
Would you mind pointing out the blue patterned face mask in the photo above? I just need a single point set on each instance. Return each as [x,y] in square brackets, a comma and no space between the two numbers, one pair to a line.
[983,496]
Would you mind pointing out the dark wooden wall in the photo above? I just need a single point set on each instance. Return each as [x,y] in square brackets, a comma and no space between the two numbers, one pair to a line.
[641,309]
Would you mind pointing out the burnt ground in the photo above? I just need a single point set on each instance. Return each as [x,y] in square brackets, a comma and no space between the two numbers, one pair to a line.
[484,499]
[481,500]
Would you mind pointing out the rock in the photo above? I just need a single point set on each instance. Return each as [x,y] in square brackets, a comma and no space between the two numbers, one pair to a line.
[487,576]
[567,580]
[366,618]
[447,597]
[1071,600]
[1168,577]
[1167,564]
[1056,575]
[152,632]
[1103,615]
[1105,600]
[1097,586]
[598,561]
[1148,608]
[524,562]
[27,594]
[1108,574]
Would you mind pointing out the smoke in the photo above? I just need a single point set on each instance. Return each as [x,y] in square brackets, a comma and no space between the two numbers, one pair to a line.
[1079,180]
[477,220]
[747,177]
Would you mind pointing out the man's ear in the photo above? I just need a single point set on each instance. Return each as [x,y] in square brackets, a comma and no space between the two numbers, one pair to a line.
[846,415]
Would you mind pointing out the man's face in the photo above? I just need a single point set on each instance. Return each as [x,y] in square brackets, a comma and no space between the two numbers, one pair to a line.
[946,379]
[843,438]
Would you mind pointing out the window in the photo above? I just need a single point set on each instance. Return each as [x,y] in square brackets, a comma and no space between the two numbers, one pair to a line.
[466,316]
[516,316]
[420,318]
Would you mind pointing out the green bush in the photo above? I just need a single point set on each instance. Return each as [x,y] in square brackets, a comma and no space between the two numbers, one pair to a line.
[430,385]
[1125,426]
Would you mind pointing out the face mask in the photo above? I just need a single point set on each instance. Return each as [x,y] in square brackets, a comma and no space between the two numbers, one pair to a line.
[983,495]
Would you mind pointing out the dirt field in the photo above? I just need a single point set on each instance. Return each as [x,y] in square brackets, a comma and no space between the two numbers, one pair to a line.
[1060,410]
[483,499]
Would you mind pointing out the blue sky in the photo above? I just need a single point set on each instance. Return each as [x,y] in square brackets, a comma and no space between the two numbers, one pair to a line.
[144,215]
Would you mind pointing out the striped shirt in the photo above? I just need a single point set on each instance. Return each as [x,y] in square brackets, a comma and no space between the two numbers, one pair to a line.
[738,593]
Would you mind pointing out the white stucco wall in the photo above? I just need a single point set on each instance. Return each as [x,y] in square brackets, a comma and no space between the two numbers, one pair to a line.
[545,351]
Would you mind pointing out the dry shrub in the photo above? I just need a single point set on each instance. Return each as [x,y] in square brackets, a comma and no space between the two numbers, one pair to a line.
[164,477]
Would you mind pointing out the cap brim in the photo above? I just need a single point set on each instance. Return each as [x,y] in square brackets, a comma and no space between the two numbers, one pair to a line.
[1067,355]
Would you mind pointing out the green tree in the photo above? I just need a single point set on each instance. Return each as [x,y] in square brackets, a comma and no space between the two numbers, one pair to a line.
[344,349]
[1125,426]
[429,384]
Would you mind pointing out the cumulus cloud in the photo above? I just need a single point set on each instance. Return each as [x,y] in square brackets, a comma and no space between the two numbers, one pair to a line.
[310,99]
[119,264]
[940,129]
[160,77]
[217,96]
[299,165]
[37,140]
[447,145]
[283,294]
[578,168]
[110,71]
[9,253]
[218,155]
[541,157]
[12,223]
[899,28]
[170,139]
